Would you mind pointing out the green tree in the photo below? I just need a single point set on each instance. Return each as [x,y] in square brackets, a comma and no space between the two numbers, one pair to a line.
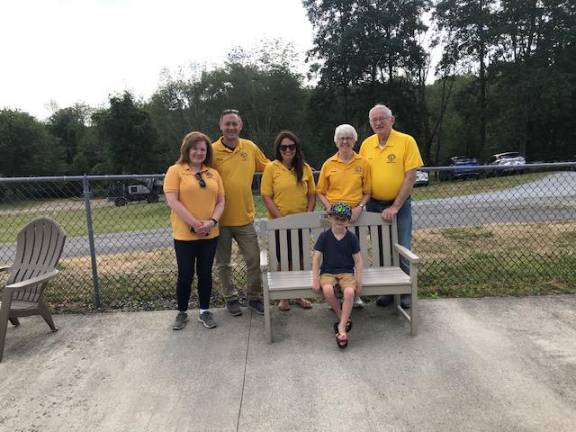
[26,147]
[69,126]
[468,31]
[128,135]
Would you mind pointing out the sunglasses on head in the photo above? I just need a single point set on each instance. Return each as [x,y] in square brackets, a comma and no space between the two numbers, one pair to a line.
[229,111]
[284,147]
[201,181]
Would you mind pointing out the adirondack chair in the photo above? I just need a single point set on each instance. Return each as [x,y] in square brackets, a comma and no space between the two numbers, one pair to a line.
[39,246]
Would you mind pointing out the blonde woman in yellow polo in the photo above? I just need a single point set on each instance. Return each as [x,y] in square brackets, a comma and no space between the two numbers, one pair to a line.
[195,194]
[288,187]
[345,177]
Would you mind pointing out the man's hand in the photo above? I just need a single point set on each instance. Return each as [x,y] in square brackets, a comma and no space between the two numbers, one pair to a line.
[389,213]
[356,212]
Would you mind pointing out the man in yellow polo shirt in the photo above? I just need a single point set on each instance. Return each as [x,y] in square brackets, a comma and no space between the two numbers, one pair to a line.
[237,160]
[394,158]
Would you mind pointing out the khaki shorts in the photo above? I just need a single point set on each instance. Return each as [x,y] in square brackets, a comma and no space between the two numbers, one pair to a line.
[344,280]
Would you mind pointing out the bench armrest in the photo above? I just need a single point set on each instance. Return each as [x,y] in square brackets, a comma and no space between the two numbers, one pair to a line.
[263,260]
[4,267]
[413,258]
[34,281]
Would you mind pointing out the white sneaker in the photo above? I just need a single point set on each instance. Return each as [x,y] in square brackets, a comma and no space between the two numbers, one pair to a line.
[358,303]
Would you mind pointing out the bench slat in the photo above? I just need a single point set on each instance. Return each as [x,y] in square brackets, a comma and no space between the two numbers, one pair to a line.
[283,250]
[306,249]
[295,250]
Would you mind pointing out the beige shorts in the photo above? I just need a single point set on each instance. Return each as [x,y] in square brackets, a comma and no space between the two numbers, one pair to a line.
[344,280]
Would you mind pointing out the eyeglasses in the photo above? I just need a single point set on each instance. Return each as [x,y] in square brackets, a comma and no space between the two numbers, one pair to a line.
[346,138]
[379,119]
[286,147]
[201,181]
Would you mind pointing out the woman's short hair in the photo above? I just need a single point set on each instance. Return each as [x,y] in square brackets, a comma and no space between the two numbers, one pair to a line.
[345,129]
[298,161]
[189,141]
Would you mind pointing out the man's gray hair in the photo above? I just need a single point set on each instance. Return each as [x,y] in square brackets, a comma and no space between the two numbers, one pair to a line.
[345,129]
[388,110]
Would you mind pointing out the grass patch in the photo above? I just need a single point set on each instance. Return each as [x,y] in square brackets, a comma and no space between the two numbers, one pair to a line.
[437,189]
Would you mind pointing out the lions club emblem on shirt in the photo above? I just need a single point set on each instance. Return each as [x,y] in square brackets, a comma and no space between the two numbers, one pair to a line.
[358,170]
[244,156]
[391,158]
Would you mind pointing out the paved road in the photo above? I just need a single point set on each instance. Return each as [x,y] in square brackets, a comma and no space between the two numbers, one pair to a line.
[477,365]
[552,198]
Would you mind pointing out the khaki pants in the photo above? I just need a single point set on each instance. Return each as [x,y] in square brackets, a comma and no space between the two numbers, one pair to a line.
[247,241]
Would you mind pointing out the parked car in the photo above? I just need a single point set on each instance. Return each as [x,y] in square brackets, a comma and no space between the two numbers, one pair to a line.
[464,167]
[136,190]
[510,160]
[422,178]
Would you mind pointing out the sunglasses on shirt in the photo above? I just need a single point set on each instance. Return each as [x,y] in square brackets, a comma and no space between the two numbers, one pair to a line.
[201,181]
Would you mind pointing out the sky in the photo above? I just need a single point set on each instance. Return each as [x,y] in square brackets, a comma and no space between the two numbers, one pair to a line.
[59,52]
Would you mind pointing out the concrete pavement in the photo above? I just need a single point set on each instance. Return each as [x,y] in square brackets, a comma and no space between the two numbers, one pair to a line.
[498,364]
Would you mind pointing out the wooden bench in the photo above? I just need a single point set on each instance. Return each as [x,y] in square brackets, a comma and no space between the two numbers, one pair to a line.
[291,277]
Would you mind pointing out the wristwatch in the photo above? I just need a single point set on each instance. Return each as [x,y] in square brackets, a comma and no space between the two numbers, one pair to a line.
[215,221]
[362,206]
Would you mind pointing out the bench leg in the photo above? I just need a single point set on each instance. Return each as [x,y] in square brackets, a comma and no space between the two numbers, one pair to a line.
[267,323]
[414,307]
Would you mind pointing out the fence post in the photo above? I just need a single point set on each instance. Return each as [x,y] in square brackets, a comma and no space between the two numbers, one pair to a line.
[88,208]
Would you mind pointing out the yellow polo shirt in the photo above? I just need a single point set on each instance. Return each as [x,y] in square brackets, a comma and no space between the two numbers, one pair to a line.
[390,164]
[199,201]
[237,168]
[345,182]
[280,184]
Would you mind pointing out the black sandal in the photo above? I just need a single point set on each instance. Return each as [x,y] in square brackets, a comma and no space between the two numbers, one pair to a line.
[348,326]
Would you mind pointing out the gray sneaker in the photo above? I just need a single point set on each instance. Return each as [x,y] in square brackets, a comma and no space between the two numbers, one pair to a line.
[233,307]
[207,319]
[257,306]
[181,320]
[358,303]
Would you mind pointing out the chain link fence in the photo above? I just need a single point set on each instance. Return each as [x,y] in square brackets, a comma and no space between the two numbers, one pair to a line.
[491,231]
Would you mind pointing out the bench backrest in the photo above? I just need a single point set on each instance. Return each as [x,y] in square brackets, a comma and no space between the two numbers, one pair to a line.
[376,236]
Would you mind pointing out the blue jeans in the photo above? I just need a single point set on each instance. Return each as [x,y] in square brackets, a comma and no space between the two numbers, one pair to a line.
[404,221]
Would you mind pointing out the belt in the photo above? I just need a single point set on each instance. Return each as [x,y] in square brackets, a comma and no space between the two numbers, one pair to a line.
[382,203]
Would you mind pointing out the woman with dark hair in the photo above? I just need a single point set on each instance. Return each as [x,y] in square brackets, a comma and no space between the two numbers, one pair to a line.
[195,194]
[288,187]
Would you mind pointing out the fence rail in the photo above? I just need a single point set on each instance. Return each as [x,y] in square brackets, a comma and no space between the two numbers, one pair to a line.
[493,231]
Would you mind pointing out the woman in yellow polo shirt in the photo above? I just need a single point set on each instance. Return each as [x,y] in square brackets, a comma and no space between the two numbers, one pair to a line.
[195,194]
[288,187]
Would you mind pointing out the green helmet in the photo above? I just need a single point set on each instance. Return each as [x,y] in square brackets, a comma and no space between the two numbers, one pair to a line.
[341,209]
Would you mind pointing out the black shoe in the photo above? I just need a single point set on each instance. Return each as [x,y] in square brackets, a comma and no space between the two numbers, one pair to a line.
[257,306]
[406,301]
[181,320]
[385,300]
[233,307]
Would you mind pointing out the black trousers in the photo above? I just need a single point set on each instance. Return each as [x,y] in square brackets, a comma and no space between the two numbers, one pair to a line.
[194,255]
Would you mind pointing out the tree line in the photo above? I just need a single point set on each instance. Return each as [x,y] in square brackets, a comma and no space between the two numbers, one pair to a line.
[506,81]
